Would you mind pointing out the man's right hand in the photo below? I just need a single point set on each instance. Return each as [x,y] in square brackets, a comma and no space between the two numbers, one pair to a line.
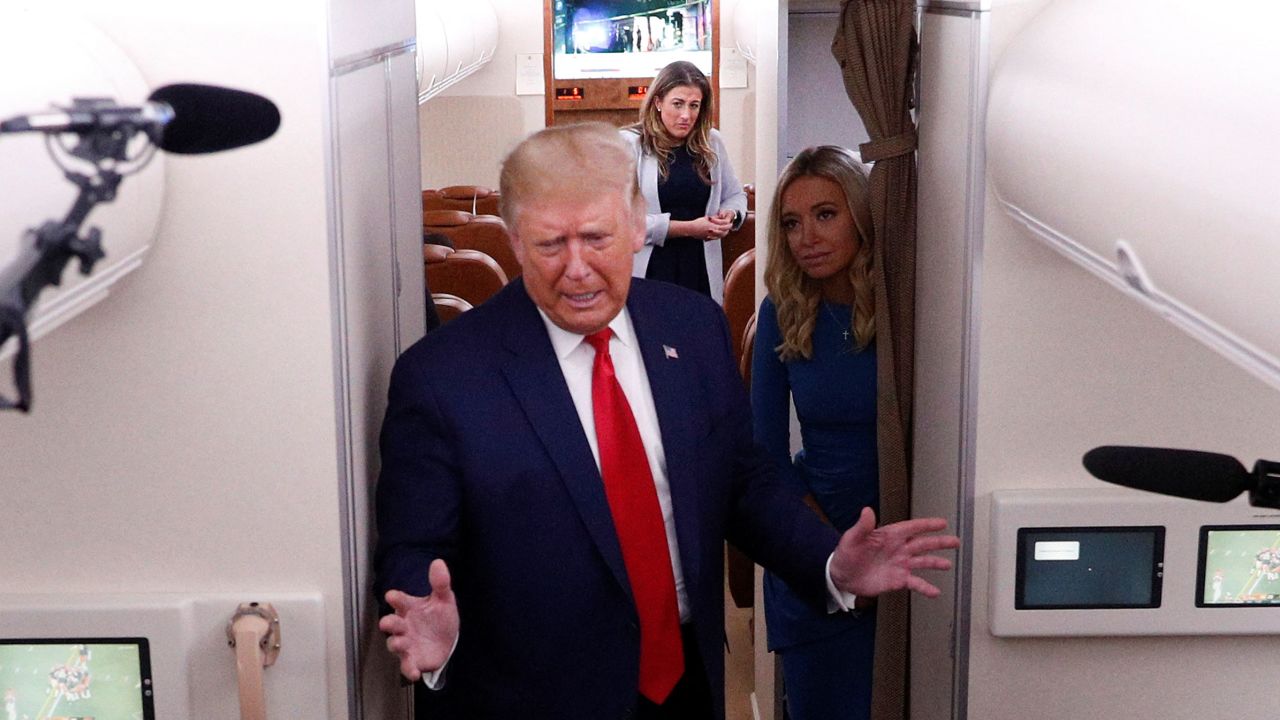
[423,629]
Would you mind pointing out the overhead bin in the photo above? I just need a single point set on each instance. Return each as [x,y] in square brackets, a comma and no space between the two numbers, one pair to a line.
[455,39]
[1139,140]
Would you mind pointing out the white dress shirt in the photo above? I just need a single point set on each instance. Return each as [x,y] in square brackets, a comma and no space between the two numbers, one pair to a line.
[576,358]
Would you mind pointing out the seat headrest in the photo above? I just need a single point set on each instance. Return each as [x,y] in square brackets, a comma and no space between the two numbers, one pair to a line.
[445,218]
[435,253]
[465,192]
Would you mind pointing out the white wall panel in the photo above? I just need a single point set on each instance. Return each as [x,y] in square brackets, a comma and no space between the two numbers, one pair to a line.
[357,26]
[948,285]
[186,434]
[193,669]
[380,227]
[819,111]
[1066,364]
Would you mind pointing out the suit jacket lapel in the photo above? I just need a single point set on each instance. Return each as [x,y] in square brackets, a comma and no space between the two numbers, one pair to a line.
[672,382]
[534,374]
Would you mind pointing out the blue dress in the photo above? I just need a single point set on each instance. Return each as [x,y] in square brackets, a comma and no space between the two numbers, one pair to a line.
[826,657]
[682,260]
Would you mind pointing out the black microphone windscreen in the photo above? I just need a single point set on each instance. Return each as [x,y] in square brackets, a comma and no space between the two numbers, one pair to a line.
[208,118]
[1184,473]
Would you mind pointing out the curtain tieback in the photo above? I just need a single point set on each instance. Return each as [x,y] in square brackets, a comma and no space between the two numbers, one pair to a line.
[900,144]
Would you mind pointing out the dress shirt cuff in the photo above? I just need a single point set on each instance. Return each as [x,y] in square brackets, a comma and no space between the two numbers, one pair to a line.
[838,600]
[434,680]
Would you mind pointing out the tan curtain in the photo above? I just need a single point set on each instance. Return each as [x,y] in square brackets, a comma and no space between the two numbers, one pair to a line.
[875,45]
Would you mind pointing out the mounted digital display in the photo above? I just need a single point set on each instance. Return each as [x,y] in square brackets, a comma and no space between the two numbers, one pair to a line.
[629,38]
[100,678]
[1078,568]
[1239,566]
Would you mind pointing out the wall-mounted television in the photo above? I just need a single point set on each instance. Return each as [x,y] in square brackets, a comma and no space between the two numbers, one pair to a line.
[1239,566]
[102,678]
[1089,568]
[629,38]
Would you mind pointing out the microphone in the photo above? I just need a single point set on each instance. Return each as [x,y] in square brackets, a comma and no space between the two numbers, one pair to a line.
[185,118]
[208,118]
[1194,474]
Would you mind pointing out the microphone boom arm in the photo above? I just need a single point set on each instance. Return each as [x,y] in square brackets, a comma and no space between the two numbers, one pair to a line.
[52,246]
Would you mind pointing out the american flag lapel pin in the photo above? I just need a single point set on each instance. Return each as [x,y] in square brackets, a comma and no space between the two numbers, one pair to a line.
[670,352]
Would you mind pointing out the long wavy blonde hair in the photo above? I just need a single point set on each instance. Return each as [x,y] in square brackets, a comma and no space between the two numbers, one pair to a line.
[795,294]
[654,137]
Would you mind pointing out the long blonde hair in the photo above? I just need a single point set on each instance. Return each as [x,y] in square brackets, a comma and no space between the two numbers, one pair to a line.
[654,138]
[795,294]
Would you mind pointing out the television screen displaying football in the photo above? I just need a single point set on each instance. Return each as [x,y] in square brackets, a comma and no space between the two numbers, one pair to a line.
[102,679]
[1239,566]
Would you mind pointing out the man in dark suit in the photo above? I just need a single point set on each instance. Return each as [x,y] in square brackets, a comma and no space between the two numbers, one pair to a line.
[567,460]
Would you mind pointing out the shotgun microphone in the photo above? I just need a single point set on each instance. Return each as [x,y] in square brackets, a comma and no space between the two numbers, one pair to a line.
[1193,474]
[207,118]
[185,118]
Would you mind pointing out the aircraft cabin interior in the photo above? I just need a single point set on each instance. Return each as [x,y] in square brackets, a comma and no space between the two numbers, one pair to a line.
[1076,303]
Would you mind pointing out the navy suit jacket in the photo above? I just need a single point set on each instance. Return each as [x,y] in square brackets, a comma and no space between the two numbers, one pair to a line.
[485,464]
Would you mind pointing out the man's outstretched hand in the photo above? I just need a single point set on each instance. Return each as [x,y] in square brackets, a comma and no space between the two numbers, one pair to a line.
[423,629]
[870,561]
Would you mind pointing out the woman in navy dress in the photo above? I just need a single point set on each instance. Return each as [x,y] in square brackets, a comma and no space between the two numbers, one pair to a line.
[814,345]
[692,197]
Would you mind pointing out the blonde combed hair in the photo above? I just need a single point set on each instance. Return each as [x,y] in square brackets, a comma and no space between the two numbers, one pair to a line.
[654,138]
[588,159]
[795,295]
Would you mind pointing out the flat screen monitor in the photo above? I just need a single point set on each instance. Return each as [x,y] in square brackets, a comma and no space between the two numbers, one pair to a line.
[1239,566]
[1089,568]
[629,38]
[98,678]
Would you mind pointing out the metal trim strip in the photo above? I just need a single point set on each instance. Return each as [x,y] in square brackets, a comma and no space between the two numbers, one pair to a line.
[975,226]
[342,402]
[960,6]
[361,60]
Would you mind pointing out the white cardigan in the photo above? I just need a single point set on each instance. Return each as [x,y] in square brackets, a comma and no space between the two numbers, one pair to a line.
[726,194]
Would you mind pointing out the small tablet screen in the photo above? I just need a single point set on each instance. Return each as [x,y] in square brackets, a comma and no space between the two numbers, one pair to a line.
[99,678]
[1086,568]
[1239,566]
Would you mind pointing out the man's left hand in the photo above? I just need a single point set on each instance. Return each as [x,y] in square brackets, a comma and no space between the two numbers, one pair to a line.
[870,561]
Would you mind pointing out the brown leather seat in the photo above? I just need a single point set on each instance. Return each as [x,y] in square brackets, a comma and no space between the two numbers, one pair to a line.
[485,233]
[475,199]
[748,347]
[750,189]
[469,274]
[738,567]
[437,219]
[449,306]
[740,297]
[737,242]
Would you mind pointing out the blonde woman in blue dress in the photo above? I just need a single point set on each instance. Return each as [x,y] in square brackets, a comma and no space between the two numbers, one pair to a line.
[815,345]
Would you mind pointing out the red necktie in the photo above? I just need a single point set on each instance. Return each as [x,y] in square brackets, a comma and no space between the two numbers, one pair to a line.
[633,501]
